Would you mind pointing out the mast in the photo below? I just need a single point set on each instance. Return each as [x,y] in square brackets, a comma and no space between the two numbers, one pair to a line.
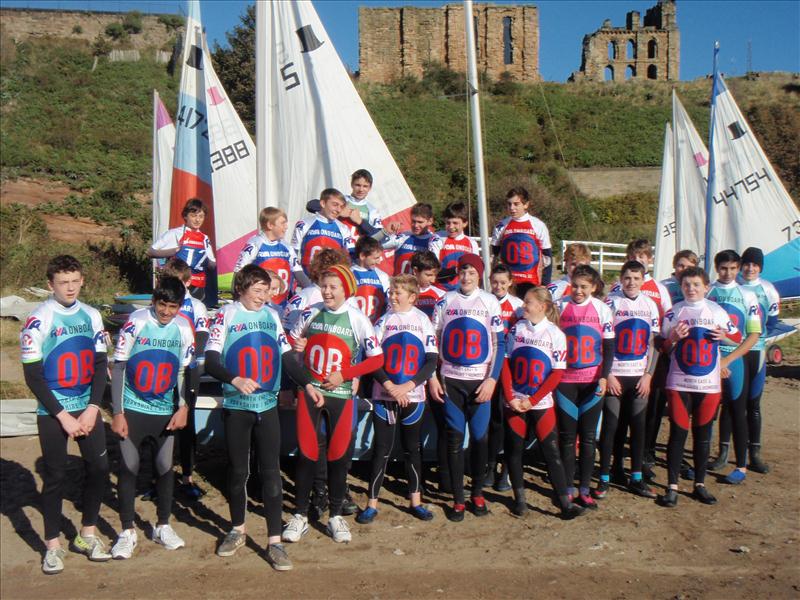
[477,137]
[712,163]
[262,92]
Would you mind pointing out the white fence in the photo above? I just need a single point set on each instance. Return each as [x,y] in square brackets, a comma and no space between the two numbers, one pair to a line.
[605,255]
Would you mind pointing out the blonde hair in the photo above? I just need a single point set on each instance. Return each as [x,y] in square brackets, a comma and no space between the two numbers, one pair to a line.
[687,254]
[273,276]
[270,214]
[542,294]
[577,252]
[407,282]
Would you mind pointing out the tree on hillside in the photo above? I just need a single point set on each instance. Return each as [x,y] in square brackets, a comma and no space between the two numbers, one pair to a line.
[236,67]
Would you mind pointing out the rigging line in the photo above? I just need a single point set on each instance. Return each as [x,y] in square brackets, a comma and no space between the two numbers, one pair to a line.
[563,160]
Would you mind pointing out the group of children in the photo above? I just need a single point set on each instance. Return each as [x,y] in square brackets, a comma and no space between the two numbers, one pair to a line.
[317,319]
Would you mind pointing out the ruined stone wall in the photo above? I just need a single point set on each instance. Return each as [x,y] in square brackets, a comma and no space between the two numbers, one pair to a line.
[20,24]
[637,51]
[397,42]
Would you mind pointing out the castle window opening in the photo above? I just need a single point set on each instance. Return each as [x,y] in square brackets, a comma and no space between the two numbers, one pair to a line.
[652,49]
[477,37]
[612,50]
[631,49]
[508,42]
[652,72]
[630,72]
[608,75]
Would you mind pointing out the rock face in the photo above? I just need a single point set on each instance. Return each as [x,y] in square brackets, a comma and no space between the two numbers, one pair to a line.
[649,50]
[20,24]
[397,42]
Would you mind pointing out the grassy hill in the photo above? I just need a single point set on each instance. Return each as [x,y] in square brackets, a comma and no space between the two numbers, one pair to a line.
[91,129]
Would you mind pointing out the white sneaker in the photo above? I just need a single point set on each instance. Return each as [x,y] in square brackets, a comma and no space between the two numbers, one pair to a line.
[125,545]
[166,536]
[53,562]
[339,530]
[296,528]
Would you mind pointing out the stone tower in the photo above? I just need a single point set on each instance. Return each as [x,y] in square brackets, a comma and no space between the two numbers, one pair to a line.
[640,50]
[397,42]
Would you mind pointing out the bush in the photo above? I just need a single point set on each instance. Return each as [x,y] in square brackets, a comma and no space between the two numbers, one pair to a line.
[77,30]
[171,22]
[116,31]
[100,46]
[132,22]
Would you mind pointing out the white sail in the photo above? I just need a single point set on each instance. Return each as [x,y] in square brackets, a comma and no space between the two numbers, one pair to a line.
[233,174]
[747,203]
[665,222]
[318,130]
[163,150]
[691,171]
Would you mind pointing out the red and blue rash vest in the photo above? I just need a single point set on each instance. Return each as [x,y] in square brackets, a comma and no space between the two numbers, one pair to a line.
[448,250]
[194,248]
[694,360]
[560,288]
[534,350]
[741,306]
[66,340]
[306,297]
[271,255]
[635,319]
[585,325]
[406,246]
[317,232]
[154,353]
[405,339]
[467,327]
[369,214]
[427,299]
[510,310]
[251,344]
[336,339]
[372,292]
[769,305]
[521,242]
[653,289]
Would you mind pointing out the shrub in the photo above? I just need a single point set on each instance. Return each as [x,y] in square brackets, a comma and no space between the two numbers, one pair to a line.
[132,22]
[116,31]
[77,30]
[101,46]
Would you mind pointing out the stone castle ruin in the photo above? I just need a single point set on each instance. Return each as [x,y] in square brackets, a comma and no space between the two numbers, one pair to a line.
[640,50]
[398,42]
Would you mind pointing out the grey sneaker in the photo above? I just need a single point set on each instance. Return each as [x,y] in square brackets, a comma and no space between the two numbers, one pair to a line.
[339,530]
[277,557]
[92,547]
[166,536]
[125,545]
[232,542]
[53,562]
[296,528]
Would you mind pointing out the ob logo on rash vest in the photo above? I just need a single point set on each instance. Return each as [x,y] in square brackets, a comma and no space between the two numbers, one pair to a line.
[584,346]
[404,356]
[633,336]
[520,253]
[69,366]
[464,342]
[696,354]
[529,368]
[320,235]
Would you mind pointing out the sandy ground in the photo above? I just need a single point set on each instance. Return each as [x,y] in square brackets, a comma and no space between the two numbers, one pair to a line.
[747,546]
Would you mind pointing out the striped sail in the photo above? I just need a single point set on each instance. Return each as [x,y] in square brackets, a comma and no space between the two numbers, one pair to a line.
[191,174]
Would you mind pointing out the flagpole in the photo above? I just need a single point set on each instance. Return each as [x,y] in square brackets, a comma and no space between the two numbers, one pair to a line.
[261,105]
[477,138]
[712,164]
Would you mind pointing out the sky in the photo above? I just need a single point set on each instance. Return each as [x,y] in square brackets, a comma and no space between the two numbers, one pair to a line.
[769,27]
